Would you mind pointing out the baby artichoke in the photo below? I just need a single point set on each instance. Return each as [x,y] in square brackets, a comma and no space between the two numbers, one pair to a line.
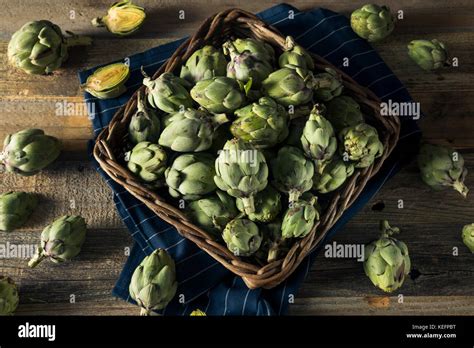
[241,171]
[191,176]
[29,151]
[123,18]
[299,219]
[244,66]
[267,205]
[198,313]
[218,94]
[8,296]
[191,130]
[386,260]
[168,92]
[289,86]
[153,284]
[204,64]
[259,49]
[429,55]
[15,209]
[145,124]
[468,236]
[61,241]
[343,112]
[39,47]
[147,161]
[328,85]
[442,167]
[263,124]
[242,237]
[372,22]
[333,175]
[108,82]
[213,213]
[318,139]
[292,172]
[295,56]
[361,144]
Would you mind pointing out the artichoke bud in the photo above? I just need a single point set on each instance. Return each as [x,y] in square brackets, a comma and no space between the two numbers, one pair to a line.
[8,296]
[191,176]
[333,175]
[267,205]
[292,172]
[242,237]
[123,18]
[442,167]
[153,284]
[29,151]
[468,236]
[342,112]
[295,55]
[241,171]
[61,241]
[259,49]
[372,22]
[145,124]
[361,144]
[198,313]
[168,92]
[328,85]
[429,55]
[204,64]
[109,81]
[15,208]
[387,262]
[300,218]
[147,161]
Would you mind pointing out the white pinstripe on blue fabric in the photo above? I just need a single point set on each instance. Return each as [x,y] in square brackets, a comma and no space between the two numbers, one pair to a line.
[327,36]
[380,79]
[227,295]
[367,68]
[245,302]
[316,25]
[342,45]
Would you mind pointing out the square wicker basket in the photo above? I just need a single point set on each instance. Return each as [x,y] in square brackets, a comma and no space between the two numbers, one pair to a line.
[215,30]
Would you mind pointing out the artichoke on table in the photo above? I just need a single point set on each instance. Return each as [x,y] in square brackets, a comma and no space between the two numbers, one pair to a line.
[123,18]
[242,237]
[8,296]
[468,236]
[108,81]
[372,22]
[15,208]
[203,64]
[429,55]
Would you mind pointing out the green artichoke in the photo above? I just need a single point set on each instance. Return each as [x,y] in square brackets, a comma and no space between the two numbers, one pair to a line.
[29,151]
[244,66]
[153,283]
[108,81]
[241,171]
[289,86]
[295,56]
[147,161]
[242,237]
[343,112]
[333,175]
[328,85]
[39,47]
[218,94]
[442,167]
[61,241]
[292,172]
[299,219]
[468,236]
[213,213]
[259,49]
[191,130]
[386,260]
[263,124]
[267,205]
[318,139]
[145,124]
[191,176]
[168,93]
[205,63]
[361,144]
[8,296]
[15,209]
[429,55]
[372,22]
[123,18]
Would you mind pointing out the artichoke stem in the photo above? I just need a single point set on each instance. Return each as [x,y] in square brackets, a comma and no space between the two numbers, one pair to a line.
[249,205]
[461,188]
[386,229]
[294,195]
[272,253]
[35,260]
[144,312]
[78,41]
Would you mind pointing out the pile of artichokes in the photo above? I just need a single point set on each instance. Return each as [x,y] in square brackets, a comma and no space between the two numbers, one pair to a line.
[244,141]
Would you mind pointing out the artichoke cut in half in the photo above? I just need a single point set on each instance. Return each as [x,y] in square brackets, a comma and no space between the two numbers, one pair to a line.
[123,18]
[109,81]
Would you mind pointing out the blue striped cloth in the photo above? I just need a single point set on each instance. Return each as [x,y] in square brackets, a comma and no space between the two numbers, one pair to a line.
[203,282]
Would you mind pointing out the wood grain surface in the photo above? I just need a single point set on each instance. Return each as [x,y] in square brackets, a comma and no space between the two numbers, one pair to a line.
[441,283]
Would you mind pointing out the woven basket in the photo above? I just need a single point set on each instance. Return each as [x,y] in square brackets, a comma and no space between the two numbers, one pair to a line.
[216,30]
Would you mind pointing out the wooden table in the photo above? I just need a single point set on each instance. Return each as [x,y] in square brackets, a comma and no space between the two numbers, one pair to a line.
[431,221]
